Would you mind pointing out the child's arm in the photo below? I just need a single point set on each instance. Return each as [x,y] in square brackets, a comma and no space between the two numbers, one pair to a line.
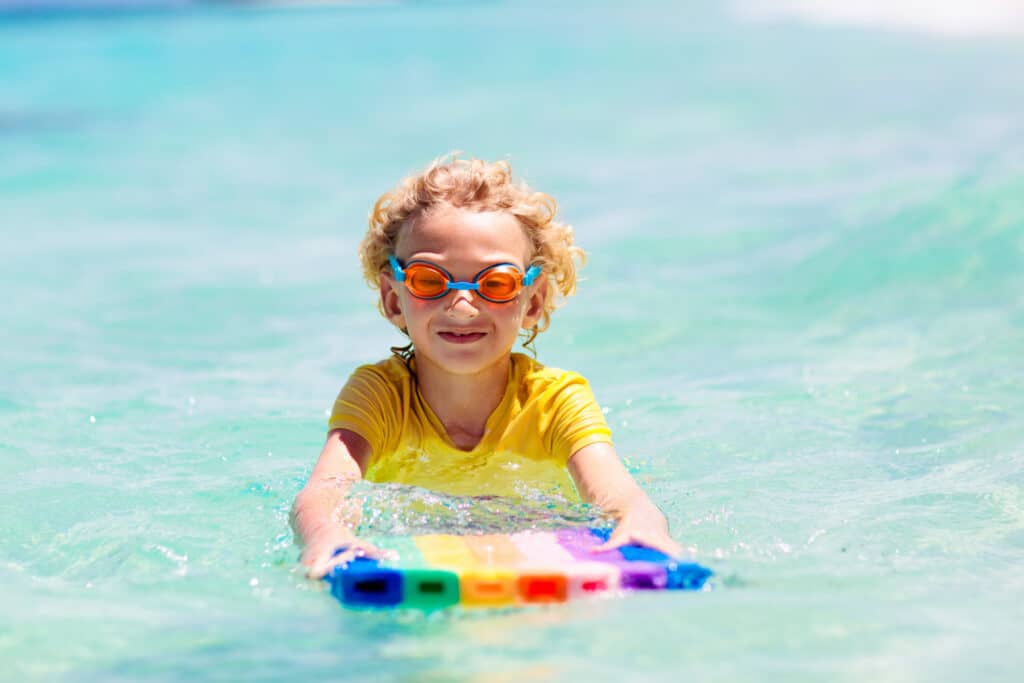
[322,517]
[603,480]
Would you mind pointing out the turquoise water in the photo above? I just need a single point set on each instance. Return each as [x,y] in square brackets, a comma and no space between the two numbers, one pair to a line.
[804,311]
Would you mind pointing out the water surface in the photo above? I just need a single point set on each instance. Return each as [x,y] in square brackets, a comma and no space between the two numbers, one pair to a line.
[803,311]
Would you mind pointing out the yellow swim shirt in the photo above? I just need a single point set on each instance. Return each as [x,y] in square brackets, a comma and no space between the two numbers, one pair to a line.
[545,416]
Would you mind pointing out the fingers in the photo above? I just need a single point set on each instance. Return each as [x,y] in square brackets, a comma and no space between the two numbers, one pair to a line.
[320,569]
[618,539]
[317,565]
[328,561]
[657,542]
[328,558]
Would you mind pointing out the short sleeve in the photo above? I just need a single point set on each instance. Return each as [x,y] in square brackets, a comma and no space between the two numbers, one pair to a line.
[577,419]
[368,405]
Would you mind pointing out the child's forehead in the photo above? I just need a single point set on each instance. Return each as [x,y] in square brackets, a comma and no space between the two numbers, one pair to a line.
[460,232]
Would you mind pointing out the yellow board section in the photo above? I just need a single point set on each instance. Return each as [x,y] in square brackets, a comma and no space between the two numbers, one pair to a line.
[446,552]
[494,550]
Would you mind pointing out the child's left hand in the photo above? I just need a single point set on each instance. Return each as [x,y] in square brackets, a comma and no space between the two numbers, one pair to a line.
[642,525]
[601,478]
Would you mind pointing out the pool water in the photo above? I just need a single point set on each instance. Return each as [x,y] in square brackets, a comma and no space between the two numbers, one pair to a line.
[803,312]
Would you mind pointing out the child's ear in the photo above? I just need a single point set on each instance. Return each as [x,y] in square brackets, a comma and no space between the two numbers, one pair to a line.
[389,301]
[535,304]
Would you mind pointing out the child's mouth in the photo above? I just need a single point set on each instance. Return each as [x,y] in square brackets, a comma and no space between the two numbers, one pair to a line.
[461,337]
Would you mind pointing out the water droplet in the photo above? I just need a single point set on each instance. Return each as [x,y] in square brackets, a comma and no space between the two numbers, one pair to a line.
[254,581]
[92,419]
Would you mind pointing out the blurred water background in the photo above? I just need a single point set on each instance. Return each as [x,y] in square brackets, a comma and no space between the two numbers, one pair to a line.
[804,312]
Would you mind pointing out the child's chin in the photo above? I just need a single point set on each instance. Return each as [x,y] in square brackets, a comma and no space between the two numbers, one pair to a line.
[463,361]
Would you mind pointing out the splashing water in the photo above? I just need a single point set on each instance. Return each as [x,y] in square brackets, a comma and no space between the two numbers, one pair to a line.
[393,509]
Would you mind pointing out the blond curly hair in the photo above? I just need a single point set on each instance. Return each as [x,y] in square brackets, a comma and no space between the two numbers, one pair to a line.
[477,185]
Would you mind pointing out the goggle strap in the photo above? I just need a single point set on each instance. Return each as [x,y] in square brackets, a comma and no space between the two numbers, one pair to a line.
[396,268]
[531,274]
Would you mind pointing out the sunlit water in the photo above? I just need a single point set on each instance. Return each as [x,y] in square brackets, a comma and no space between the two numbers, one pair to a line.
[804,312]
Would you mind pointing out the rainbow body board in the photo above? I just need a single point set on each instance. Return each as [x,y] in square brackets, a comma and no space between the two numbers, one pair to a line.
[502,570]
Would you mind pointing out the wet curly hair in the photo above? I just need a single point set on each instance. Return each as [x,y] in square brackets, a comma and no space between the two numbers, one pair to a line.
[477,185]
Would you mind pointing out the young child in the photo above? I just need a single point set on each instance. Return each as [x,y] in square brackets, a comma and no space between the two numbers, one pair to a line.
[465,259]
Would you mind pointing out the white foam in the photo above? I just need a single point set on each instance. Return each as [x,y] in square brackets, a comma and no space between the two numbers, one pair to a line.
[942,17]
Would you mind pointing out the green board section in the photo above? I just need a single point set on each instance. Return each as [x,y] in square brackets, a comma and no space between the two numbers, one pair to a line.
[430,588]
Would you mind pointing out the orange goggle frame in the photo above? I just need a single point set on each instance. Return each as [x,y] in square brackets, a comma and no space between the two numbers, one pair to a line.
[499,283]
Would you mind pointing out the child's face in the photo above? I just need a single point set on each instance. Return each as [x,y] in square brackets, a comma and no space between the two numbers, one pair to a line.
[460,332]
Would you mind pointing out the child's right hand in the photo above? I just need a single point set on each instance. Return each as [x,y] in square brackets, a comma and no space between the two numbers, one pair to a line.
[319,554]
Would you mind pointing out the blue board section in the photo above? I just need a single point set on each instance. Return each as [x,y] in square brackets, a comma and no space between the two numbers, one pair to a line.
[687,576]
[365,583]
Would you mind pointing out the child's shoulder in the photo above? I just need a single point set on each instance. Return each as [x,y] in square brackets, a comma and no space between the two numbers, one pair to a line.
[535,376]
[392,371]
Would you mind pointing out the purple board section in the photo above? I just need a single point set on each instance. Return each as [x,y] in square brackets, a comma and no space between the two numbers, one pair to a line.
[637,574]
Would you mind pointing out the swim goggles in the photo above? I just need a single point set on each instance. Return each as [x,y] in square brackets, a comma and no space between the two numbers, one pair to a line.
[499,283]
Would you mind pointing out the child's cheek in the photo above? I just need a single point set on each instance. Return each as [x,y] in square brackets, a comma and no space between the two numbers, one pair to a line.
[419,306]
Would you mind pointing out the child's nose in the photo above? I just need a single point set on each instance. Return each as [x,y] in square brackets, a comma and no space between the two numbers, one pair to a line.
[462,304]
